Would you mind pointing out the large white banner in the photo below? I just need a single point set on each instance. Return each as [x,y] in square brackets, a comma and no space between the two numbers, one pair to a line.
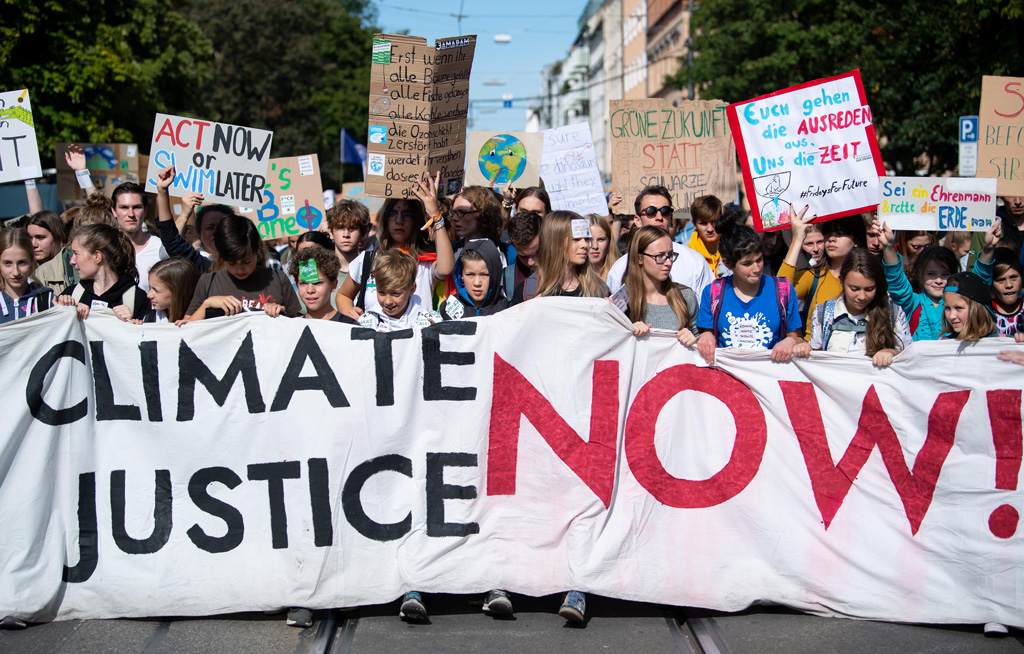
[250,463]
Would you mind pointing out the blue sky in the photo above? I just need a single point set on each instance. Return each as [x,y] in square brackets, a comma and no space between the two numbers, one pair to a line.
[542,32]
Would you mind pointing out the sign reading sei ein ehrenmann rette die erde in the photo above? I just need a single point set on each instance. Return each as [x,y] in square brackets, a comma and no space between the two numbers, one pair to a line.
[226,163]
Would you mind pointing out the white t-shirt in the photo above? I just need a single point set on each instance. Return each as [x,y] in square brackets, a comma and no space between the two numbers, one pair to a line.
[690,269]
[146,258]
[416,315]
[424,283]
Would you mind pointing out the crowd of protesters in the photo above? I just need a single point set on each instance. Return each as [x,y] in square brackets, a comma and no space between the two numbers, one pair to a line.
[849,285]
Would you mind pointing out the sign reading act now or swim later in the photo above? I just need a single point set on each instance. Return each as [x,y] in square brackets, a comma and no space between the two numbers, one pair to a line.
[226,163]
[419,101]
[812,144]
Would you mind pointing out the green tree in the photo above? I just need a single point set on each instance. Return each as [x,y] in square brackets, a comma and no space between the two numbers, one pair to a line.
[98,71]
[299,69]
[921,62]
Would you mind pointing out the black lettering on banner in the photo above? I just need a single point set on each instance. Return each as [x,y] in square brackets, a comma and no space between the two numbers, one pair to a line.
[320,503]
[275,474]
[232,517]
[383,360]
[151,380]
[88,536]
[438,492]
[191,369]
[324,381]
[161,514]
[353,508]
[434,358]
[39,409]
[106,407]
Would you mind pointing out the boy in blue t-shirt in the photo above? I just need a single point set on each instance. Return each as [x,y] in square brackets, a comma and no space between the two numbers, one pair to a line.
[748,309]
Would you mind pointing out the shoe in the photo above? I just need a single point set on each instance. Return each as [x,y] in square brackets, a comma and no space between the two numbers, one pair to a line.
[995,630]
[574,606]
[413,609]
[299,617]
[497,603]
[11,622]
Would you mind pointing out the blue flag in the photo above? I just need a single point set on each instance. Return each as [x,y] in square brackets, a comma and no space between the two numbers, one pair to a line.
[351,150]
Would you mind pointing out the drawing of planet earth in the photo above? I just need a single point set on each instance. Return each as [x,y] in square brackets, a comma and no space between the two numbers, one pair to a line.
[502,159]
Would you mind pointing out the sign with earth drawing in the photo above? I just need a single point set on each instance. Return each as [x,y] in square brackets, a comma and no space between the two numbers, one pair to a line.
[504,158]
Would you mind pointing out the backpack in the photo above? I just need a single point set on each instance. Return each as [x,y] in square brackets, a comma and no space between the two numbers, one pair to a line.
[782,294]
[826,316]
[818,273]
[367,269]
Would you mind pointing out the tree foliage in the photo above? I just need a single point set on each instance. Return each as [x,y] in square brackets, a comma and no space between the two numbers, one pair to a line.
[921,62]
[97,71]
[299,69]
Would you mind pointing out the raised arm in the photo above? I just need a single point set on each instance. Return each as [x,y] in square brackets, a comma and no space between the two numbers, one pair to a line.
[798,227]
[426,190]
[75,158]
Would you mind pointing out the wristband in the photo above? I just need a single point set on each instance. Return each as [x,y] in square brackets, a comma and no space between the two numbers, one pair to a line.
[84,180]
[30,184]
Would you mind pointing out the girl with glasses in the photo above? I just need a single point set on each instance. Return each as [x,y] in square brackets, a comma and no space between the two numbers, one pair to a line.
[649,296]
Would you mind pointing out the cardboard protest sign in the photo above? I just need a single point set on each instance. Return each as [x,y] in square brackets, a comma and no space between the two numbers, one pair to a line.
[356,191]
[419,101]
[958,204]
[503,158]
[569,170]
[19,152]
[812,144]
[226,163]
[293,198]
[687,149]
[109,164]
[1001,143]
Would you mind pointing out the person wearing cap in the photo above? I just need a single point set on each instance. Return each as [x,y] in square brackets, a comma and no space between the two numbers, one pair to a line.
[966,315]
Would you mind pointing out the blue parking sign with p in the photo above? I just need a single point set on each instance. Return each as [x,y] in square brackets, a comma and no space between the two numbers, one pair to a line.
[968,129]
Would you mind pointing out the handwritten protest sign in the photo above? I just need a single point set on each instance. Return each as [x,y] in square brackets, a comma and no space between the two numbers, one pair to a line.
[961,204]
[419,101]
[356,191]
[503,158]
[569,170]
[293,198]
[19,152]
[687,149]
[226,163]
[1001,146]
[109,164]
[812,144]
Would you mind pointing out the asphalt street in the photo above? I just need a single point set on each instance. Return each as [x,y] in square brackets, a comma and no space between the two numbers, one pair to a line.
[457,625]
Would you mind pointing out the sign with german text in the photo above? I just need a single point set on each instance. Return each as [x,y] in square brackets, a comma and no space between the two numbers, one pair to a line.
[293,198]
[419,103]
[954,204]
[226,163]
[812,144]
[687,149]
[1001,133]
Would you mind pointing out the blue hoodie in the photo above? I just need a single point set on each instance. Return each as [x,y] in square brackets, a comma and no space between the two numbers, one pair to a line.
[459,305]
[37,298]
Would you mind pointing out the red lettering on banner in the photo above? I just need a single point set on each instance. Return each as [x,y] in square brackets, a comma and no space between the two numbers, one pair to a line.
[1005,417]
[167,129]
[747,451]
[593,461]
[831,482]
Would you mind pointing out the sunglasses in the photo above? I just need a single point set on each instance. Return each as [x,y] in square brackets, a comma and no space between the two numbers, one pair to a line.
[650,212]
